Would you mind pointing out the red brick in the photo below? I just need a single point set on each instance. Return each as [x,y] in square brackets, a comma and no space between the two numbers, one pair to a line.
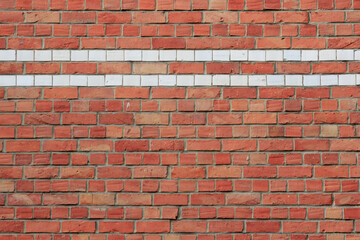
[60,93]
[116,227]
[239,145]
[167,145]
[225,226]
[184,17]
[96,145]
[329,68]
[186,68]
[151,118]
[203,145]
[224,172]
[188,172]
[132,145]
[203,92]
[222,68]
[20,146]
[345,145]
[260,226]
[159,92]
[293,68]
[116,118]
[77,226]
[131,92]
[12,226]
[38,226]
[257,68]
[300,227]
[24,199]
[189,226]
[79,118]
[207,199]
[167,43]
[315,199]
[338,227]
[311,145]
[153,227]
[106,17]
[78,17]
[188,119]
[170,199]
[260,172]
[239,92]
[259,118]
[112,68]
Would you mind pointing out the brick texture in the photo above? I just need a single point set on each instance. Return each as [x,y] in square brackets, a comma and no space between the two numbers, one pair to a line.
[171,163]
[109,24]
[179,119]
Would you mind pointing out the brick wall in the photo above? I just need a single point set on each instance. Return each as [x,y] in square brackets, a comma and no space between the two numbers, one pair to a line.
[179,119]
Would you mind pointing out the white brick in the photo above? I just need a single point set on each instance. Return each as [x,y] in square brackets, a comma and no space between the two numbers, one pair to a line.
[149,80]
[347,79]
[275,80]
[25,80]
[79,55]
[43,55]
[292,55]
[7,80]
[115,55]
[311,80]
[357,55]
[61,55]
[345,54]
[221,80]
[25,55]
[167,55]
[293,80]
[150,55]
[185,80]
[131,80]
[78,80]
[203,55]
[274,55]
[97,55]
[327,55]
[239,80]
[132,55]
[113,80]
[327,80]
[7,55]
[257,80]
[185,55]
[309,55]
[357,79]
[43,80]
[167,80]
[257,55]
[96,80]
[238,55]
[203,80]
[221,55]
[61,80]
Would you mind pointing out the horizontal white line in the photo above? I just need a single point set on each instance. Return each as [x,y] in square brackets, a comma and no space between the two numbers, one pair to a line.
[180,80]
[178,55]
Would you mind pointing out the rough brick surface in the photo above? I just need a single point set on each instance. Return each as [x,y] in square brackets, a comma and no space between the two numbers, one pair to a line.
[179,119]
[28,24]
[173,171]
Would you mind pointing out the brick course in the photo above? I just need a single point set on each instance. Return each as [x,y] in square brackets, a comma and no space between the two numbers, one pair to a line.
[179,120]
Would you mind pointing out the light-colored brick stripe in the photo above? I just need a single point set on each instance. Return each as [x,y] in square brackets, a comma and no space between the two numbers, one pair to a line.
[178,55]
[160,78]
[180,80]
